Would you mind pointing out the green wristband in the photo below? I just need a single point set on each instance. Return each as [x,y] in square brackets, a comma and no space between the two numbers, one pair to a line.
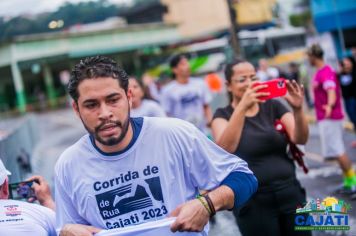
[205,204]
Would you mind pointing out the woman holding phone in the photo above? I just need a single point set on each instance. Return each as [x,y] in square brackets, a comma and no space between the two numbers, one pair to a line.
[246,127]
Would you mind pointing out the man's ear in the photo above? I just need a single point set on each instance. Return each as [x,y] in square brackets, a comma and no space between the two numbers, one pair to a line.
[129,97]
[76,108]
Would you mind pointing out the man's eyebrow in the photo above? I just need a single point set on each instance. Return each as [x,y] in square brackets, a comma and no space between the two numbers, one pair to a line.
[89,101]
[113,95]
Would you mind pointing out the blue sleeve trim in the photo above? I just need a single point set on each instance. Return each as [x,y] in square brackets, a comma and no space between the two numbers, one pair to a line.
[243,185]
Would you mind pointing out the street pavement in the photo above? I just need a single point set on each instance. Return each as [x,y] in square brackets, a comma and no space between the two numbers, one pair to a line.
[59,129]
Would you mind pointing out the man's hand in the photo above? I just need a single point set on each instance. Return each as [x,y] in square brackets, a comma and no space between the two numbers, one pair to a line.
[42,191]
[190,216]
[78,230]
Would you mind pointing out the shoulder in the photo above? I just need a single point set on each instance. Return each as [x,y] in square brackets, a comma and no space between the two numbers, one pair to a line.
[167,123]
[328,71]
[223,112]
[168,127]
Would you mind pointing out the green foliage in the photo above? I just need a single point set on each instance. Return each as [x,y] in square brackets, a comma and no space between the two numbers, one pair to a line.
[71,14]
[302,19]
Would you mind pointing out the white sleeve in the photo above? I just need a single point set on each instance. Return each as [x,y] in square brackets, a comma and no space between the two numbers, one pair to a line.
[208,164]
[66,212]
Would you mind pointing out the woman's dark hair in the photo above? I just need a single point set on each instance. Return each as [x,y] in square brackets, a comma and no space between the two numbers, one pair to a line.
[229,68]
[95,67]
[229,72]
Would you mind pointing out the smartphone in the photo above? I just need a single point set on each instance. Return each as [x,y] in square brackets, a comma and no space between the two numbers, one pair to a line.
[22,190]
[276,88]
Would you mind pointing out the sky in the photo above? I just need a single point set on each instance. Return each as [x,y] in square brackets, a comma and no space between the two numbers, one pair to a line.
[12,8]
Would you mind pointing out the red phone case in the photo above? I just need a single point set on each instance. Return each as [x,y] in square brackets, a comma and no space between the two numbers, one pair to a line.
[276,88]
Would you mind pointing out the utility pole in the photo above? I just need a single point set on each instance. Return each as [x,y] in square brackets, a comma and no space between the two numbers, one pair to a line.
[234,27]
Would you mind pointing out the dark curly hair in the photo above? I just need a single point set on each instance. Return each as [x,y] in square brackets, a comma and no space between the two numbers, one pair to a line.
[229,72]
[92,68]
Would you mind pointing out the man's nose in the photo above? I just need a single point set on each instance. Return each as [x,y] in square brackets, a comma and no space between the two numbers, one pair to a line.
[105,112]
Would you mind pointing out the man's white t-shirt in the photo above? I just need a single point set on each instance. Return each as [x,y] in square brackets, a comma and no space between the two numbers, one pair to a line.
[166,165]
[19,218]
[186,101]
[148,108]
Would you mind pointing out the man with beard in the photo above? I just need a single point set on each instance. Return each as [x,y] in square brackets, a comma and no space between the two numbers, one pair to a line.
[129,171]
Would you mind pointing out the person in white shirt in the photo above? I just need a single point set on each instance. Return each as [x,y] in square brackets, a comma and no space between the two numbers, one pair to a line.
[142,104]
[19,218]
[187,98]
[129,171]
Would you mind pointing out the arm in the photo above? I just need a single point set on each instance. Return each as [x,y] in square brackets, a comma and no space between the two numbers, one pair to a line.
[296,124]
[166,102]
[207,98]
[208,114]
[228,133]
[331,102]
[234,191]
[192,215]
